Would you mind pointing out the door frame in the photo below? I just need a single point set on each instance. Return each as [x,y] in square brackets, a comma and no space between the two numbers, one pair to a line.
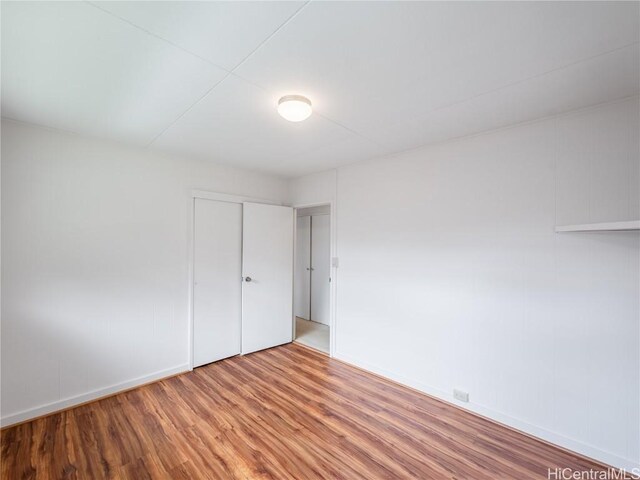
[333,266]
[219,197]
[295,265]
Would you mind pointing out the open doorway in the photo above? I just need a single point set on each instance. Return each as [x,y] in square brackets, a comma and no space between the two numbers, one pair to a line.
[312,277]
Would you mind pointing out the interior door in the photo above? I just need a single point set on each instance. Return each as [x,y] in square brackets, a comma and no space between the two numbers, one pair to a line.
[320,268]
[302,279]
[267,269]
[217,294]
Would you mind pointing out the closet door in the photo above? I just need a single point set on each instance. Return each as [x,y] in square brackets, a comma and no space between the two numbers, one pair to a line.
[217,297]
[267,266]
[302,294]
[320,271]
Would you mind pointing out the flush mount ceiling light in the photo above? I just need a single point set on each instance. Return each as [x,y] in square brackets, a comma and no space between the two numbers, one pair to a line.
[294,108]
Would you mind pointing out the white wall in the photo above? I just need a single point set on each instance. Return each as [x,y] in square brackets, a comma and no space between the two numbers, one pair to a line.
[314,189]
[95,264]
[451,275]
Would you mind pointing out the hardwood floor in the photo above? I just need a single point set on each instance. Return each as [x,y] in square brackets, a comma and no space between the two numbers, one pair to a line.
[283,413]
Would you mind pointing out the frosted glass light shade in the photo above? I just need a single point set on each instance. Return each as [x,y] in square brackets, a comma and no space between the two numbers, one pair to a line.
[294,108]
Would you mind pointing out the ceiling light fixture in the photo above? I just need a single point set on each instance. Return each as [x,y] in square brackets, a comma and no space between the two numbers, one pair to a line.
[294,108]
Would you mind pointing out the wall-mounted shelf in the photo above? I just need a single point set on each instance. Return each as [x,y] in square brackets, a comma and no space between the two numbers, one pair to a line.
[601,227]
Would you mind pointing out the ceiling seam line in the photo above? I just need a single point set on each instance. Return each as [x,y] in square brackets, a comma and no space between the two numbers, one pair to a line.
[349,129]
[230,72]
[206,94]
[532,77]
[501,128]
[155,35]
[488,92]
[51,129]
[270,36]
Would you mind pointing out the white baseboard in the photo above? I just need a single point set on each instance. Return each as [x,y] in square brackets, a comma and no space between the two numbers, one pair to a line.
[528,428]
[31,413]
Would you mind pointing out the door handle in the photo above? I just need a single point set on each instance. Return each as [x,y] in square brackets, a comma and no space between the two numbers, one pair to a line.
[247,279]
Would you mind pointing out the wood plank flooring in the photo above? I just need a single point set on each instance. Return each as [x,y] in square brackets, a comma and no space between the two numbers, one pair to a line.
[283,413]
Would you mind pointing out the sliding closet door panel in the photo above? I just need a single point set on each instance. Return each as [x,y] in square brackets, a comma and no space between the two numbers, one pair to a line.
[217,300]
[267,266]
[302,297]
[320,263]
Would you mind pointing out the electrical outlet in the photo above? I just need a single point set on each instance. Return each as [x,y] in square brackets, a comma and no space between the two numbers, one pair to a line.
[460,395]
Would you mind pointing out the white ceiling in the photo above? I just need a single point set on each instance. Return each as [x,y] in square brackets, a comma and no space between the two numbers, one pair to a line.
[202,79]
